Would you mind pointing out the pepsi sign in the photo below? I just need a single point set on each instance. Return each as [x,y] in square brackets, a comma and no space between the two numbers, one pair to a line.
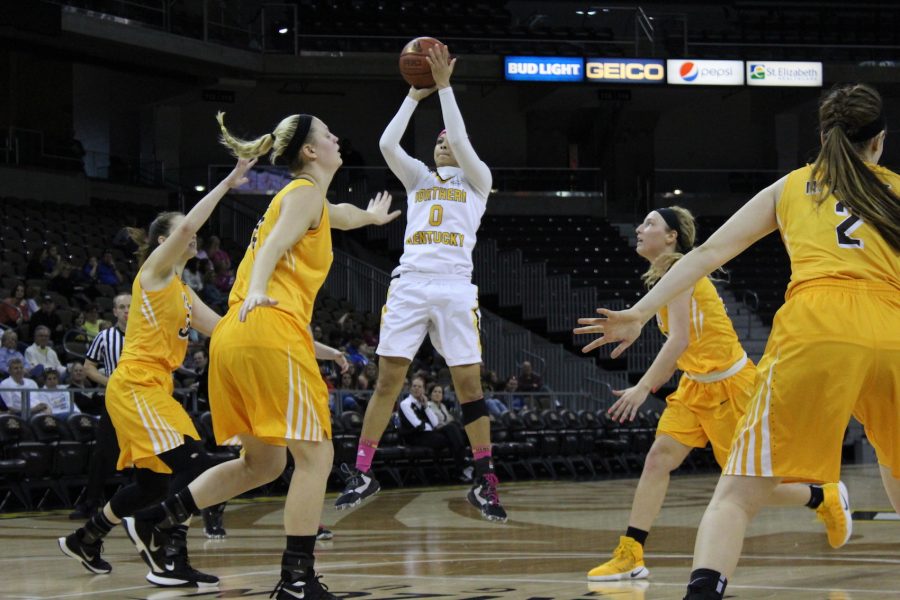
[544,68]
[705,72]
[625,70]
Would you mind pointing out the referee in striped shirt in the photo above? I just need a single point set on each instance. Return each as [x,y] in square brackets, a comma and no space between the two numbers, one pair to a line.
[106,348]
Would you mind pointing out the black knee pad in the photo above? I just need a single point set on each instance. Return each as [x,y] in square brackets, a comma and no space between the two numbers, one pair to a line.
[472,411]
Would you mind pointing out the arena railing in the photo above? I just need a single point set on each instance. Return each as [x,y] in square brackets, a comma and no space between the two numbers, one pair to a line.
[188,398]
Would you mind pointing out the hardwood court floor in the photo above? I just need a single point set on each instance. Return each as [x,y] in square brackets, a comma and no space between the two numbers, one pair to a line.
[428,543]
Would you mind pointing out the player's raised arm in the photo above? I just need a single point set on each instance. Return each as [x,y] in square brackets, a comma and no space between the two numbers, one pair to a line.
[404,166]
[475,170]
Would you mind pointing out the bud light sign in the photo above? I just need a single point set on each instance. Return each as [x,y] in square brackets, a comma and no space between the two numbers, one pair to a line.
[544,68]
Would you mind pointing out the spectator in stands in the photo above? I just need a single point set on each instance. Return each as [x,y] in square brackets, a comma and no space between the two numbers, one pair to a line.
[48,318]
[349,401]
[9,350]
[41,353]
[50,261]
[92,320]
[17,379]
[371,373]
[107,271]
[32,297]
[89,271]
[192,275]
[513,399]
[210,294]
[317,334]
[16,309]
[421,426]
[77,379]
[54,396]
[529,381]
[216,254]
[67,283]
[224,277]
[201,368]
[77,325]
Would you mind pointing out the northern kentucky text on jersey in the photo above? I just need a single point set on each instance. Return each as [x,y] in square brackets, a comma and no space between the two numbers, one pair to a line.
[440,193]
[447,238]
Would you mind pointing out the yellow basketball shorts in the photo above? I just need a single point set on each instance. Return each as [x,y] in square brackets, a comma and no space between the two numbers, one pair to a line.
[697,413]
[834,351]
[147,419]
[264,380]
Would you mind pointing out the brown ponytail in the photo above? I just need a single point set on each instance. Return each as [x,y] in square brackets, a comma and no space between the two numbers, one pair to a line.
[146,241]
[845,114]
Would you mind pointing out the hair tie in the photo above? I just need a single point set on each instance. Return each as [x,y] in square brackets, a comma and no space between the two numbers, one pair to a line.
[674,224]
[867,131]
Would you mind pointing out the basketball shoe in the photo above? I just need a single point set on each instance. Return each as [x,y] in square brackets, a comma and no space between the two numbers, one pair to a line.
[834,512]
[483,496]
[324,533]
[627,562]
[359,486]
[166,555]
[87,554]
[299,580]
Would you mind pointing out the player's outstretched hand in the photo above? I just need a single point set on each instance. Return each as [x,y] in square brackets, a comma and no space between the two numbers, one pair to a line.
[252,301]
[622,326]
[238,175]
[630,400]
[441,65]
[379,207]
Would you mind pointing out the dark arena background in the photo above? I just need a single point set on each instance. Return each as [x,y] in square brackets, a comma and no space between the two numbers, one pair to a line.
[590,115]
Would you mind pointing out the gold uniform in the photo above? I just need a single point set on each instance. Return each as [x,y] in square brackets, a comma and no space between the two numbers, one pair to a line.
[717,381]
[148,420]
[834,349]
[264,379]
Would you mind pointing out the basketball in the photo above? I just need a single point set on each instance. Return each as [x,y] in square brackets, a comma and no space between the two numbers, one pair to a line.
[413,66]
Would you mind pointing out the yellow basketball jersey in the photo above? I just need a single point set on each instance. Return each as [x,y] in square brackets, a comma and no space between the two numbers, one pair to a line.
[714,346]
[826,241]
[158,325]
[302,270]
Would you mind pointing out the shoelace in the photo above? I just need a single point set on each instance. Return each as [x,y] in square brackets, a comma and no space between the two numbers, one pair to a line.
[491,480]
[313,585]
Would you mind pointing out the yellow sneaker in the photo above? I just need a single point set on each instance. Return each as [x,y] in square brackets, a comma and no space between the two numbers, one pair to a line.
[627,563]
[834,512]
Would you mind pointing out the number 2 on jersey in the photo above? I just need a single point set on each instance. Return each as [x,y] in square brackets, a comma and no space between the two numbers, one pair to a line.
[846,227]
[436,215]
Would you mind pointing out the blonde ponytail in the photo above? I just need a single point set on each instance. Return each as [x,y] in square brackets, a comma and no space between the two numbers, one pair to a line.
[276,142]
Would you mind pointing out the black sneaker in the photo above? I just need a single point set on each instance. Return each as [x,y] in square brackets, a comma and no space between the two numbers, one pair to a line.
[309,588]
[358,487]
[483,496]
[324,533]
[149,540]
[213,525]
[87,554]
[178,572]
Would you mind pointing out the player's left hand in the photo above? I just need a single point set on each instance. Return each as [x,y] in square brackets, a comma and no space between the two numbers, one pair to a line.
[253,301]
[622,326]
[630,400]
[341,361]
[238,175]
[441,65]
[378,208]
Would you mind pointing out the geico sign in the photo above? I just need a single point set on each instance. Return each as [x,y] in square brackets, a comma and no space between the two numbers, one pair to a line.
[625,71]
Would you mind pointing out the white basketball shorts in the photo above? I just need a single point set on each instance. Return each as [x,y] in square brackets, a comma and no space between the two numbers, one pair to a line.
[445,309]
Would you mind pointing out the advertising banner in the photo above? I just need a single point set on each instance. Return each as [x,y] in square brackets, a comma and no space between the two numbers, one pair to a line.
[625,70]
[544,68]
[784,73]
[705,72]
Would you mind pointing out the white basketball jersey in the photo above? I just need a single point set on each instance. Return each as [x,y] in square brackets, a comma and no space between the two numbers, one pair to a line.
[443,213]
